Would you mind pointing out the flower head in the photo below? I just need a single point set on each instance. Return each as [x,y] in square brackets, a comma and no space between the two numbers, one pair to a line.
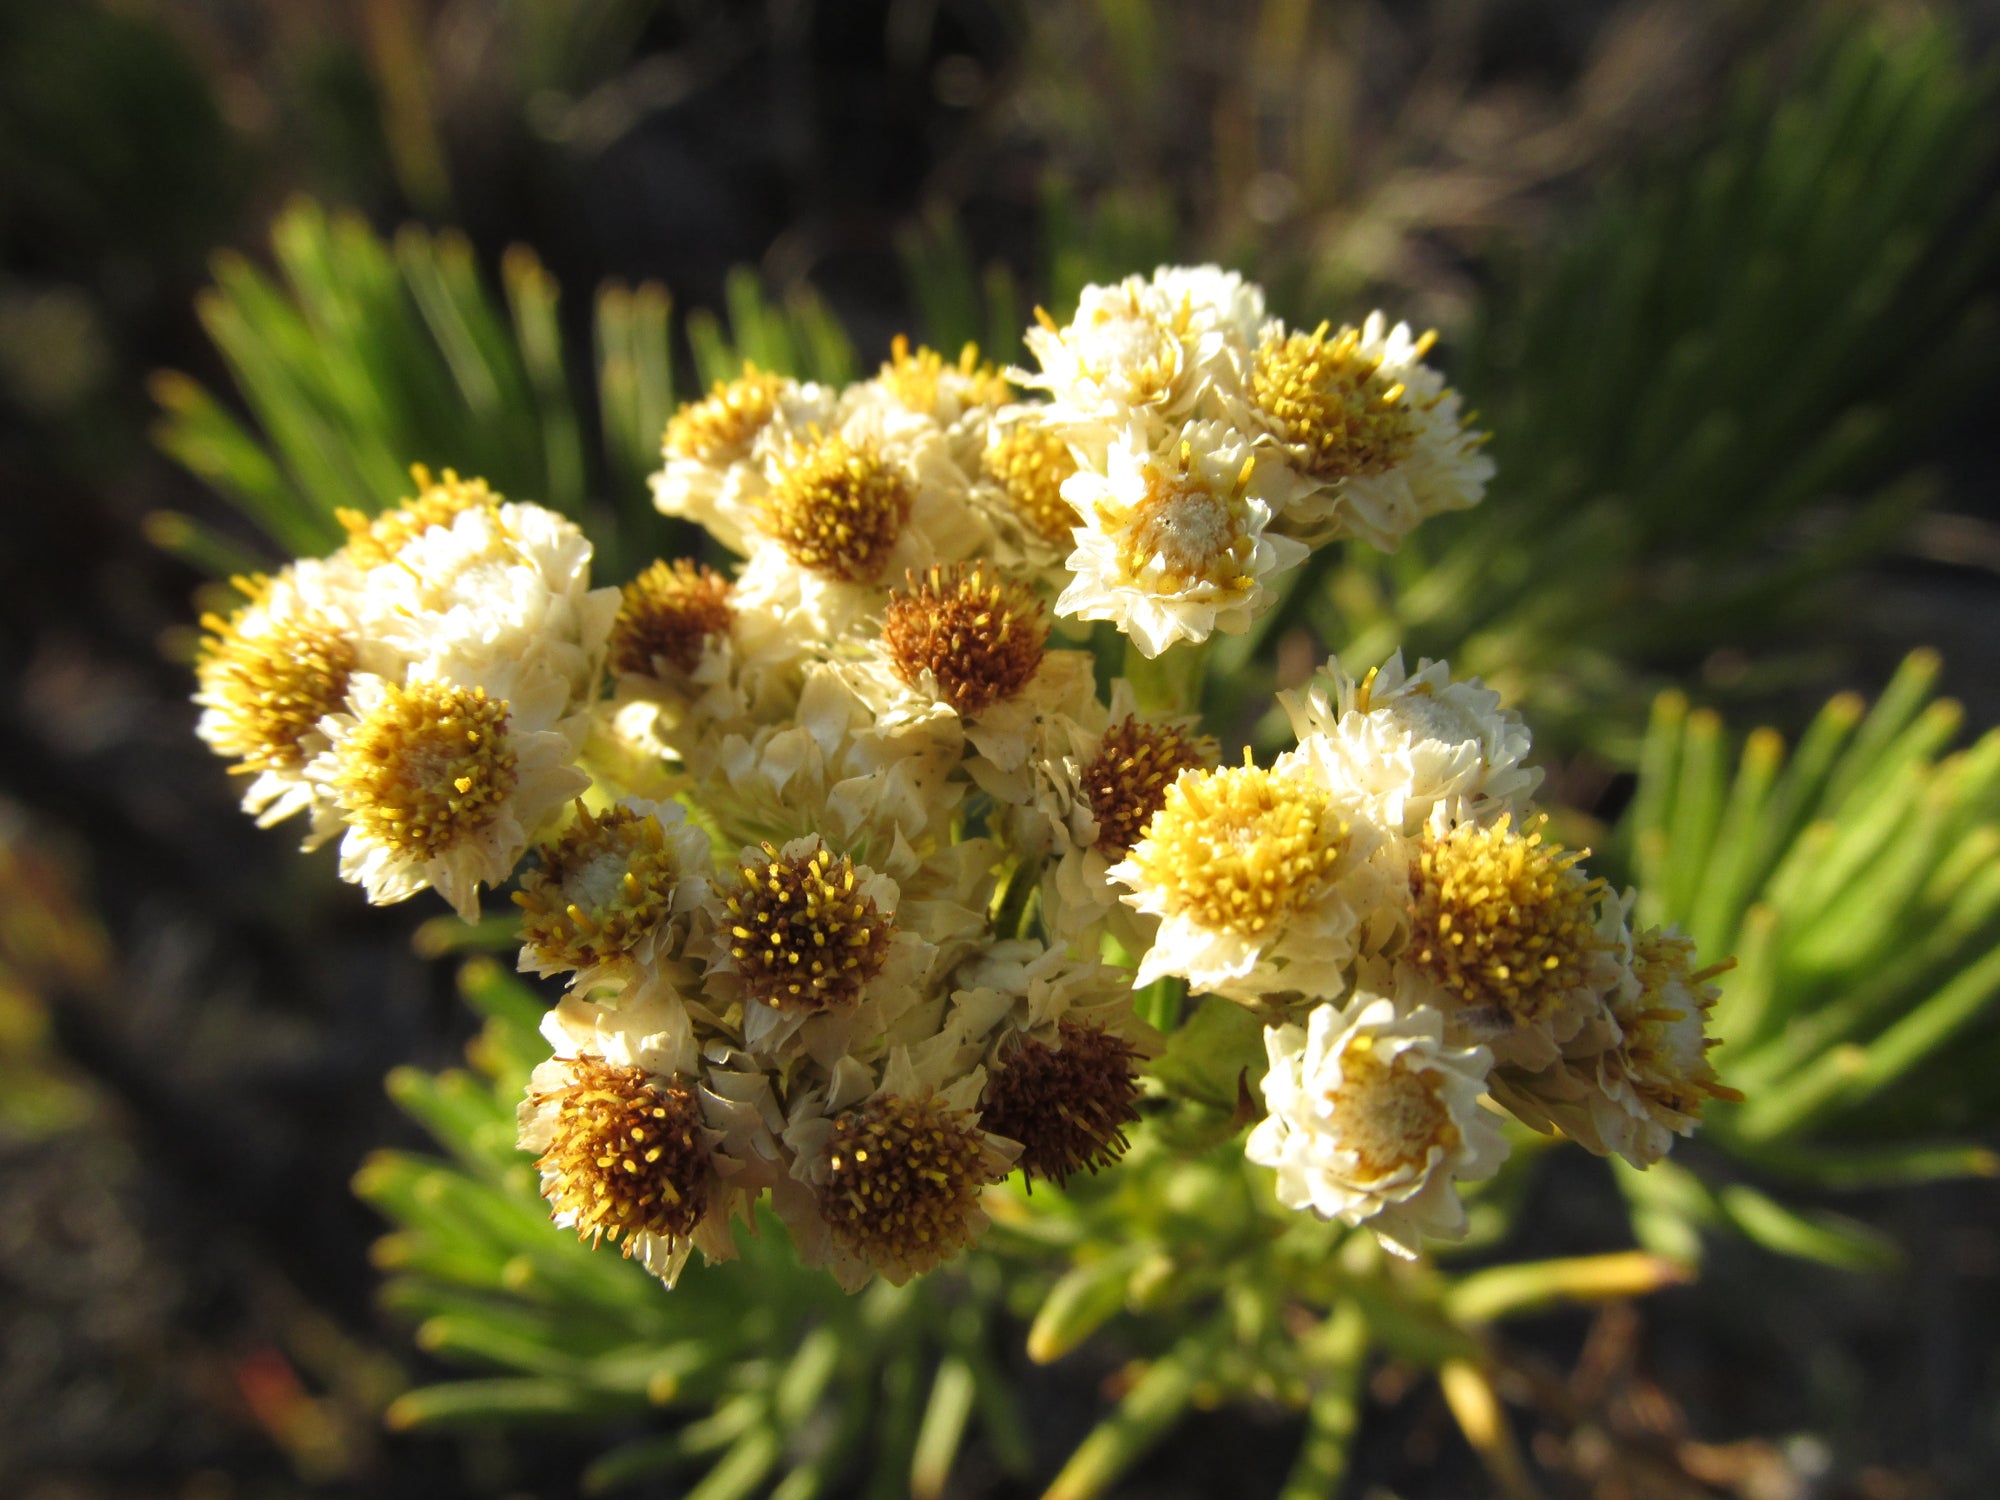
[1173,544]
[1373,1119]
[1068,1101]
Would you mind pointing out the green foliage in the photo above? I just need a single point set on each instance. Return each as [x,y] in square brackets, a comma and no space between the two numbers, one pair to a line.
[765,1378]
[1858,885]
[364,357]
[1707,357]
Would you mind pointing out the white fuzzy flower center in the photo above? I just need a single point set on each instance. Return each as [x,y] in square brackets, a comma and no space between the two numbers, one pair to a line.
[1386,1112]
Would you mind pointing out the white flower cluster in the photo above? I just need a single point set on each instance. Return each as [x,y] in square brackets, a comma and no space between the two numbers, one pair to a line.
[849,872]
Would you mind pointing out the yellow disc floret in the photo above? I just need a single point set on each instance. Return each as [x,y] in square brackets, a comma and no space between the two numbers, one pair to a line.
[1238,849]
[836,509]
[913,377]
[268,691]
[1388,1112]
[628,1154]
[720,428]
[980,636]
[374,540]
[903,1181]
[804,937]
[602,887]
[1332,402]
[667,614]
[428,766]
[1030,464]
[1501,919]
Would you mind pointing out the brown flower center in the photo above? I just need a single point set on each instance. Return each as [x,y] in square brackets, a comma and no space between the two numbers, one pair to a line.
[1068,1105]
[1128,778]
[628,1156]
[803,936]
[903,1180]
[980,637]
[667,614]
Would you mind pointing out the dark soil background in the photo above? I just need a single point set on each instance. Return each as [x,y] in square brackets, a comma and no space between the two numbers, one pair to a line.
[195,1021]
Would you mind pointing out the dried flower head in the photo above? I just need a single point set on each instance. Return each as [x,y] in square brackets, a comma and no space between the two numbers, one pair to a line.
[1069,1104]
[1127,780]
[1330,399]
[804,937]
[980,636]
[902,1183]
[721,426]
[667,614]
[627,1154]
[836,508]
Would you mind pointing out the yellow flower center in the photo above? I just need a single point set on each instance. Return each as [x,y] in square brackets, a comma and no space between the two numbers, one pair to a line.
[429,766]
[720,428]
[1030,464]
[602,886]
[980,637]
[666,614]
[272,689]
[372,541]
[803,937]
[628,1155]
[913,377]
[1389,1114]
[1328,398]
[837,509]
[1183,532]
[1068,1105]
[1127,780]
[903,1179]
[1502,920]
[1239,849]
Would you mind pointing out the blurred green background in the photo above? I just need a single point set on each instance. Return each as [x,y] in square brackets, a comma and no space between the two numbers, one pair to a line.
[1721,278]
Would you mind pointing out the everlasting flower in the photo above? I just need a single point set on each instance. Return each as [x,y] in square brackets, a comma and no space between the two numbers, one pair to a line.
[1068,1101]
[440,785]
[1173,544]
[1413,745]
[268,674]
[1374,1120]
[714,449]
[1259,878]
[895,1178]
[1514,941]
[604,900]
[1632,1098]
[1152,349]
[1371,429]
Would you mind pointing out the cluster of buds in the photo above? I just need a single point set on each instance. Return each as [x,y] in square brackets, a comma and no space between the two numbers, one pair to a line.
[849,867]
